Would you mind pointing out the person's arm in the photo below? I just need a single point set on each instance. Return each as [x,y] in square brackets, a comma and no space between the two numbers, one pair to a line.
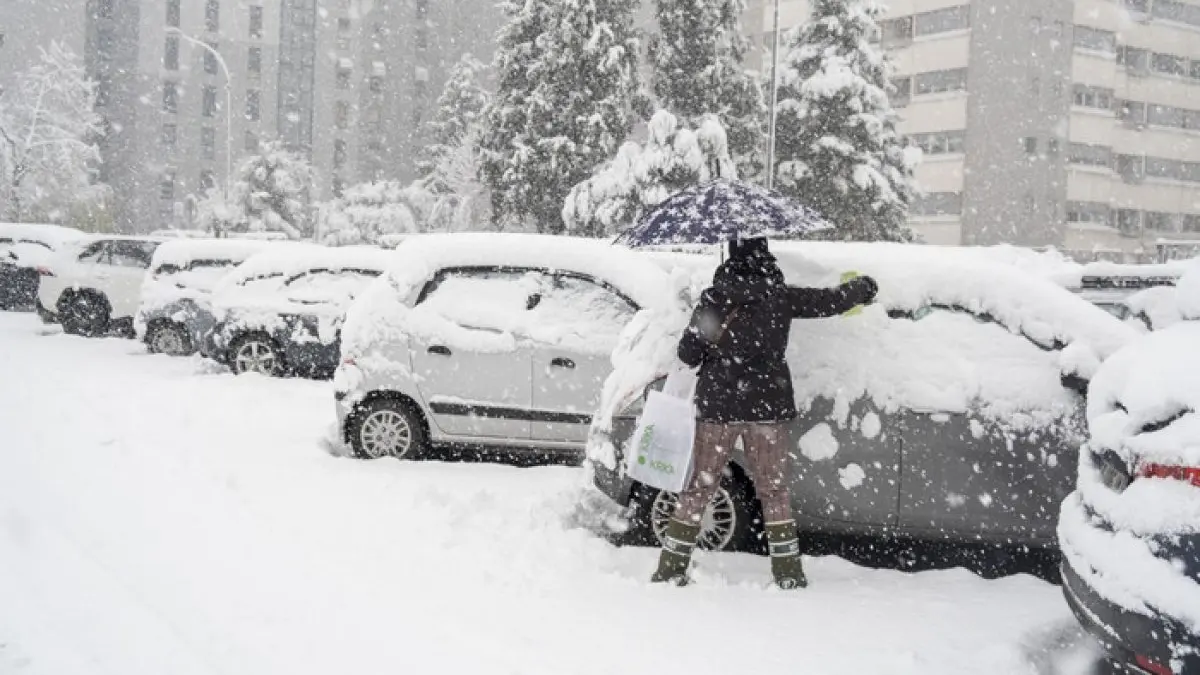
[693,348]
[815,303]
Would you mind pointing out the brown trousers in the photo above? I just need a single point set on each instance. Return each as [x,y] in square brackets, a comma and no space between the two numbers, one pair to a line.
[766,447]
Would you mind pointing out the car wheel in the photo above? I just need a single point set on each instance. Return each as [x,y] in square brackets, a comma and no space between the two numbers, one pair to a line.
[387,427]
[256,353]
[730,521]
[85,314]
[170,339]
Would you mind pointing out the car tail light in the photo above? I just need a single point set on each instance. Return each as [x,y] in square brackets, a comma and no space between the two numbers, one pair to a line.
[1150,666]
[1187,474]
[349,361]
[44,271]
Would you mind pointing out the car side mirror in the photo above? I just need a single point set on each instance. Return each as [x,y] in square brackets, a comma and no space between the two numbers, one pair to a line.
[1075,383]
[533,301]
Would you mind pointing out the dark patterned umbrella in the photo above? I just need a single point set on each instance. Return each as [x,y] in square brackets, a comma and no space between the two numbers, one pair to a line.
[713,213]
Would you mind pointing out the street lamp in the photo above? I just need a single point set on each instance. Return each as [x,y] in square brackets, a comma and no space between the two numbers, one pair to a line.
[774,100]
[228,105]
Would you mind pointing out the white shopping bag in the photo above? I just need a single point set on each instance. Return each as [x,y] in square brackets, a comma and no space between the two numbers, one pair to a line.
[660,451]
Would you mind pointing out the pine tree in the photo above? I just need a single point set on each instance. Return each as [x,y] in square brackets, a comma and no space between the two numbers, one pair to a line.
[837,149]
[271,192]
[697,57]
[568,89]
[459,109]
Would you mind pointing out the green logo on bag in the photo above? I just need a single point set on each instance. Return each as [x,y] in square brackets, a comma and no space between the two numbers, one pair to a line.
[641,459]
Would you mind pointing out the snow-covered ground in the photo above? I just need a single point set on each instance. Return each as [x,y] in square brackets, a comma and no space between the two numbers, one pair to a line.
[158,516]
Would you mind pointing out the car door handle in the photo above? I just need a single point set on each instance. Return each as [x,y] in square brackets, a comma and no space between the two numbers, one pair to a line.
[439,350]
[562,363]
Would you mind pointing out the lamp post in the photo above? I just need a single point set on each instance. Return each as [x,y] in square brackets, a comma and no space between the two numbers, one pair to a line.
[774,100]
[228,106]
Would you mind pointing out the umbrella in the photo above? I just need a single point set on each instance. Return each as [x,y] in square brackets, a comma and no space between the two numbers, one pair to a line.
[716,212]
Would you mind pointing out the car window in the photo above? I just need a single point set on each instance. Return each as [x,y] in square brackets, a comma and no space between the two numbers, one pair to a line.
[926,311]
[35,243]
[335,287]
[579,312]
[131,253]
[95,253]
[496,300]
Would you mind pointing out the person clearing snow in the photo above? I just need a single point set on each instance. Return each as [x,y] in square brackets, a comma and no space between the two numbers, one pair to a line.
[737,337]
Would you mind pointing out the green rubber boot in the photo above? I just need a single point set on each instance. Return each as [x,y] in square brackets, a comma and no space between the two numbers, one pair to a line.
[678,542]
[786,565]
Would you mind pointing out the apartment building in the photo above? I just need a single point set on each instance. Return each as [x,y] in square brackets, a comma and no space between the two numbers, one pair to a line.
[1066,123]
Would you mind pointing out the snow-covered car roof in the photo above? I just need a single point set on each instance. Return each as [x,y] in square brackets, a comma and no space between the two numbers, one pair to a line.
[1131,277]
[52,235]
[296,258]
[182,252]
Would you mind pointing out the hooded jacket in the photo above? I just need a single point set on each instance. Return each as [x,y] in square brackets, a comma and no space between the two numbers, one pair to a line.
[739,334]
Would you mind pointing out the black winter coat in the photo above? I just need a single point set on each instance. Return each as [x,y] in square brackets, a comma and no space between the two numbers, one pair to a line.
[739,336]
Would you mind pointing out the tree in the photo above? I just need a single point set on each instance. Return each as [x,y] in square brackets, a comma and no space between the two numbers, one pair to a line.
[459,110]
[837,146]
[672,158]
[216,215]
[48,128]
[568,89]
[368,211]
[271,193]
[697,59]
[461,202]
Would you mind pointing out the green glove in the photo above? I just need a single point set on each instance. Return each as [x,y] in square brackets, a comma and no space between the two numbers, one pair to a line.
[857,309]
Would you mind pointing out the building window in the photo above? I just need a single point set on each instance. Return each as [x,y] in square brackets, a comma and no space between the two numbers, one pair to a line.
[339,186]
[341,115]
[345,71]
[208,180]
[171,53]
[254,59]
[1129,222]
[1096,40]
[1096,213]
[1132,112]
[1100,98]
[343,34]
[1158,167]
[938,204]
[943,20]
[903,91]
[941,81]
[339,153]
[1052,147]
[1169,64]
[375,84]
[212,16]
[1131,168]
[170,135]
[173,13]
[208,103]
[251,142]
[1191,223]
[1191,120]
[1137,6]
[105,10]
[1165,116]
[210,58]
[1194,72]
[1135,60]
[1090,155]
[1155,221]
[1030,143]
[1171,10]
[170,97]
[256,21]
[896,32]
[253,104]
[940,143]
[208,142]
[166,188]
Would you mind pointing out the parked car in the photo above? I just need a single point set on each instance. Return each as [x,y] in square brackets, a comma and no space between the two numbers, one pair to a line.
[1130,533]
[1130,292]
[176,315]
[947,411]
[488,340]
[24,247]
[281,311]
[97,288]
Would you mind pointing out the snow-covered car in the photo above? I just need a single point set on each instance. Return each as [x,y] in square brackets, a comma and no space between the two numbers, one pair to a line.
[1130,533]
[175,316]
[489,340]
[1142,295]
[96,289]
[24,248]
[947,410]
[281,311]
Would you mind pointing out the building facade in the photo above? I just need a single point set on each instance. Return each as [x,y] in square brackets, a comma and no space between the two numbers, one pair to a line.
[1066,123]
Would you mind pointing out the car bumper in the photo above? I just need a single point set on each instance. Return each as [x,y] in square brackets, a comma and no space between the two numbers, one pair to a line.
[1128,635]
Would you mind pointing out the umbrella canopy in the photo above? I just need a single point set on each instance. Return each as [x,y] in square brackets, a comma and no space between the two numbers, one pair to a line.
[716,212]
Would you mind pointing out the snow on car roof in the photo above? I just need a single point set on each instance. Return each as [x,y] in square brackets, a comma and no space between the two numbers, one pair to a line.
[183,251]
[296,258]
[54,235]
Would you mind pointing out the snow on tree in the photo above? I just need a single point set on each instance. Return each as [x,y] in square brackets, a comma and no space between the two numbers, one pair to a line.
[271,192]
[368,211]
[837,146]
[567,93]
[48,128]
[697,57]
[461,201]
[459,110]
[641,175]
[217,216]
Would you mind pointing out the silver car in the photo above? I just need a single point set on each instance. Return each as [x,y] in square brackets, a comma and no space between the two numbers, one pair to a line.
[949,411]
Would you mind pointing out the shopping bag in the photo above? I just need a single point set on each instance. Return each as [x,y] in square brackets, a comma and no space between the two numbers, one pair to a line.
[660,455]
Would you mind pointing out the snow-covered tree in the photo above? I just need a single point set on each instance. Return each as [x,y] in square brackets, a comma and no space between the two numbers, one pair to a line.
[48,132]
[459,109]
[641,175]
[271,192]
[837,149]
[367,211]
[461,200]
[568,88]
[697,57]
[216,215]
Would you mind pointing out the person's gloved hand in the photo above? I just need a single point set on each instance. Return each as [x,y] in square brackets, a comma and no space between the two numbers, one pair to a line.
[861,290]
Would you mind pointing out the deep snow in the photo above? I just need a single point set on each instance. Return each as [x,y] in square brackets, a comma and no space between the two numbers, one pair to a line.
[159,517]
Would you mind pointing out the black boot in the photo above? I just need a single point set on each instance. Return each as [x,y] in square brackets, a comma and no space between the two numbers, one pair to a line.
[786,565]
[678,542]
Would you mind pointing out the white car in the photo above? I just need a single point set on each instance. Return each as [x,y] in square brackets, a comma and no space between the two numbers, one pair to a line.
[489,340]
[1130,533]
[176,316]
[25,248]
[93,290]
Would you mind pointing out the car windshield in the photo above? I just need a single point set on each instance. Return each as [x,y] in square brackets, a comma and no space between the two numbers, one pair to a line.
[333,287]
